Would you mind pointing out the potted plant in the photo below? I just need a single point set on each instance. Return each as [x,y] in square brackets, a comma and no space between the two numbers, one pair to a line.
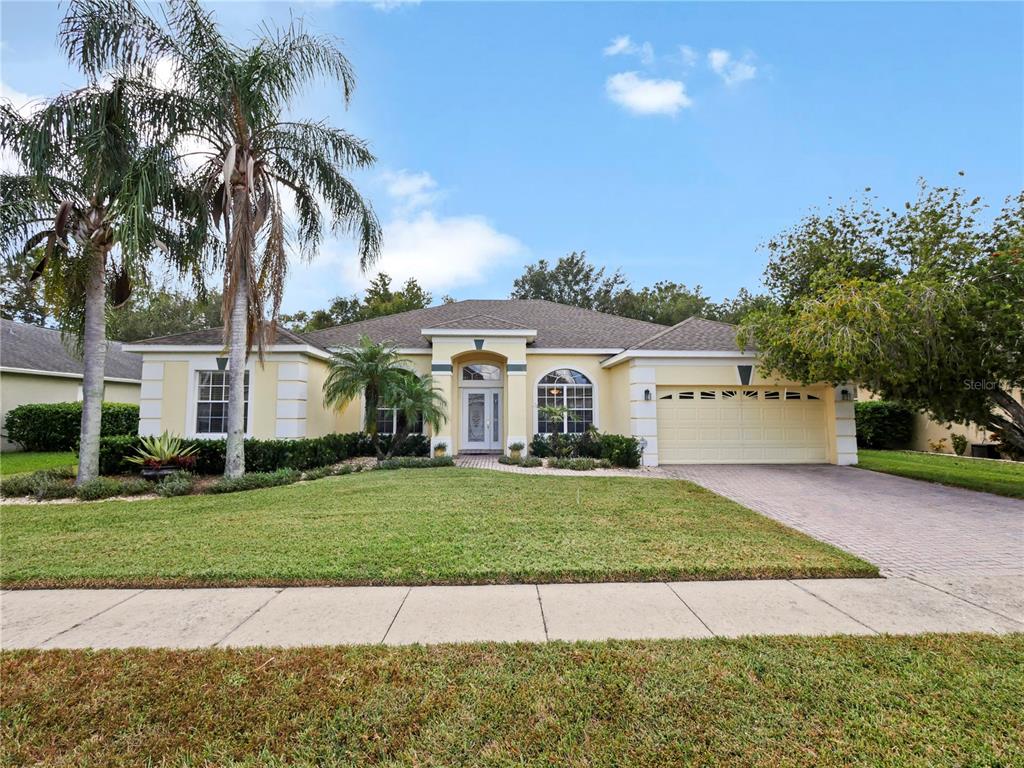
[440,449]
[162,455]
[515,451]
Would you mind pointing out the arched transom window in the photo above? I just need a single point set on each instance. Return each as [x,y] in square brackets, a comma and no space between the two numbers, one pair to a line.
[481,372]
[565,402]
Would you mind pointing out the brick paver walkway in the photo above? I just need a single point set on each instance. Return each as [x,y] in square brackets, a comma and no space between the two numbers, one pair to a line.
[906,527]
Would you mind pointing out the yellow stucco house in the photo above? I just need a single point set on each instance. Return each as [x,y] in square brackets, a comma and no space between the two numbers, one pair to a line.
[685,391]
[36,367]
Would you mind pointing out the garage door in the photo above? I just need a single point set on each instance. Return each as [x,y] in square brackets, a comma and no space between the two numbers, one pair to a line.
[740,426]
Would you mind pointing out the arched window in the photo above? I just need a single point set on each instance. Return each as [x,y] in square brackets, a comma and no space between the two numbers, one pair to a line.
[481,372]
[565,402]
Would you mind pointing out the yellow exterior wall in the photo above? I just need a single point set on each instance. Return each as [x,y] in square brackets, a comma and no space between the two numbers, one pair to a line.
[175,399]
[25,388]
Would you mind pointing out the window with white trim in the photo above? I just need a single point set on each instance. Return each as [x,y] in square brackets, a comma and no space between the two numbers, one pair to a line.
[212,403]
[389,420]
[572,394]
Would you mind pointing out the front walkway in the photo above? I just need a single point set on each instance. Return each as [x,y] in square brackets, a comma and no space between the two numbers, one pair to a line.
[490,461]
[906,527]
[195,618]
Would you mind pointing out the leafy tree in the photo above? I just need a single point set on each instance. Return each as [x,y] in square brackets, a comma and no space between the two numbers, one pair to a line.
[734,310]
[665,302]
[369,370]
[230,99]
[98,192]
[378,300]
[924,306]
[19,296]
[162,312]
[572,280]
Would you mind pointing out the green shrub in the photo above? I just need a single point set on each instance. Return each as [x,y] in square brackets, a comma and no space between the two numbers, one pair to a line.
[413,462]
[177,484]
[253,480]
[261,455]
[509,460]
[959,444]
[578,464]
[531,461]
[18,485]
[57,426]
[620,450]
[883,424]
[105,487]
[317,473]
[516,446]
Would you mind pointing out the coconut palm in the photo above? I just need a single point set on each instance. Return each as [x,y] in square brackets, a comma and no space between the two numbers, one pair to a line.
[95,194]
[364,370]
[232,100]
[414,397]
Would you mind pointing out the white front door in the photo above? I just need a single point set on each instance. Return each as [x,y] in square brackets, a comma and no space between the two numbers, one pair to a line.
[481,419]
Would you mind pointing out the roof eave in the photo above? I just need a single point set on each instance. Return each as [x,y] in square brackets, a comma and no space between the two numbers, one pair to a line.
[674,353]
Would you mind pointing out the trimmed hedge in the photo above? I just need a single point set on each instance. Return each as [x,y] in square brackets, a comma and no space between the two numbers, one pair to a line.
[883,424]
[58,426]
[620,450]
[262,455]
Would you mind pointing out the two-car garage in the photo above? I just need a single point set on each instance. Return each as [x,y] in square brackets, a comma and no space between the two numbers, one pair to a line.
[740,425]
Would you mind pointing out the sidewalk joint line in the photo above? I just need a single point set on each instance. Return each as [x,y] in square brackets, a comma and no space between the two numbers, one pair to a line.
[964,599]
[543,620]
[834,607]
[90,618]
[239,624]
[697,615]
[395,617]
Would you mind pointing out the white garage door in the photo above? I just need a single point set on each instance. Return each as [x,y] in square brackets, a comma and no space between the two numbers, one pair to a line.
[740,426]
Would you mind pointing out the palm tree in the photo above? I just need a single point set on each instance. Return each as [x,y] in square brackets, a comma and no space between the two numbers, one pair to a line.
[96,193]
[232,99]
[414,396]
[365,370]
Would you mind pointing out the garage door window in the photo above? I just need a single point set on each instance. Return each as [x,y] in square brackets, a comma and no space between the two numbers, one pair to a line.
[565,402]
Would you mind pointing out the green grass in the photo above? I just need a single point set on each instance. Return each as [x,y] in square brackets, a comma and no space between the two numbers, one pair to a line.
[939,700]
[1000,477]
[30,461]
[437,526]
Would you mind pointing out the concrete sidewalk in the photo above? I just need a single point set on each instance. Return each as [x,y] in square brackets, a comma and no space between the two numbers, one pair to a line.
[196,618]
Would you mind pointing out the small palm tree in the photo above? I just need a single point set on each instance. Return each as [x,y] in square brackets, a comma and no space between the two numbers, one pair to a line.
[365,370]
[229,101]
[97,192]
[414,396]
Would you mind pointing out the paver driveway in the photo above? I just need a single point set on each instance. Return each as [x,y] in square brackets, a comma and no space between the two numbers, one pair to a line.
[905,527]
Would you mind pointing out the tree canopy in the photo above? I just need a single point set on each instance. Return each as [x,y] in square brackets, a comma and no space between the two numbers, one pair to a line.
[923,305]
[378,300]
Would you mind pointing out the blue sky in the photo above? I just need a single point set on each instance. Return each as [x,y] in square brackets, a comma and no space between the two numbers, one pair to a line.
[668,140]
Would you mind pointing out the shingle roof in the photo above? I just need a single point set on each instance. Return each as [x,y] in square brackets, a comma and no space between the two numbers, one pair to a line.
[215,337]
[557,325]
[694,333]
[42,349]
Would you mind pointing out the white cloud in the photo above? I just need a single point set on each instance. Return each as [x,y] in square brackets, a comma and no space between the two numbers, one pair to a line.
[732,71]
[411,190]
[646,96]
[688,55]
[389,5]
[624,46]
[441,252]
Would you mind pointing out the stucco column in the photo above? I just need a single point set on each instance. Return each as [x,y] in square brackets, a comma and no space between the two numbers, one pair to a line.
[292,394]
[643,411]
[441,371]
[518,402]
[151,397]
[843,426]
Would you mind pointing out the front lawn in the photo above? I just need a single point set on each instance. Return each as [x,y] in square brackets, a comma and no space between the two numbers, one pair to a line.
[421,526]
[30,461]
[1001,477]
[939,700]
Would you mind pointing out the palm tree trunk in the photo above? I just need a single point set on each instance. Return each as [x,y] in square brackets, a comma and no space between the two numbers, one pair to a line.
[94,354]
[234,460]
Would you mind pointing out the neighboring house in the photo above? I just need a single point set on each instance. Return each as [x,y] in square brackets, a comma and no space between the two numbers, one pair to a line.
[928,430]
[686,390]
[36,367]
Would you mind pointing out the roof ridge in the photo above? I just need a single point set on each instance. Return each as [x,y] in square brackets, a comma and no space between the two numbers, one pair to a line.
[661,333]
[587,309]
[463,318]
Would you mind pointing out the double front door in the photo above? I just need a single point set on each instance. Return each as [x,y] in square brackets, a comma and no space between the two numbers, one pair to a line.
[481,419]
